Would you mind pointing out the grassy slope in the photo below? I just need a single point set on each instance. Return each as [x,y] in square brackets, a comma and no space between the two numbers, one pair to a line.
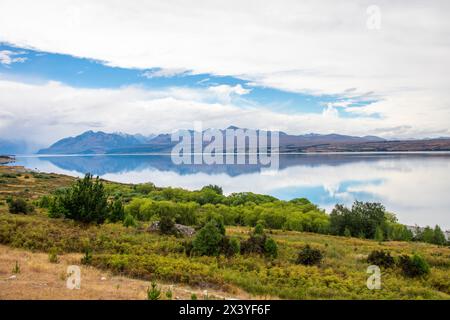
[139,254]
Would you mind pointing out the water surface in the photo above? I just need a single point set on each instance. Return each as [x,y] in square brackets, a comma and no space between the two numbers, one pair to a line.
[415,186]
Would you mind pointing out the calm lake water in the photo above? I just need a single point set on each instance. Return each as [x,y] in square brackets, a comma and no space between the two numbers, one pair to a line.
[414,186]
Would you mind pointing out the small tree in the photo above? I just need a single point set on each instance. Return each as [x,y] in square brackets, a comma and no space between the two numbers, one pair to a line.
[309,256]
[379,234]
[116,211]
[217,189]
[208,240]
[257,241]
[19,205]
[153,293]
[230,247]
[271,248]
[414,266]
[438,236]
[381,258]
[167,225]
[85,201]
[129,221]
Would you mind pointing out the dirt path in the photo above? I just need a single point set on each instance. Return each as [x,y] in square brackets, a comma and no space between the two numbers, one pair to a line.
[40,279]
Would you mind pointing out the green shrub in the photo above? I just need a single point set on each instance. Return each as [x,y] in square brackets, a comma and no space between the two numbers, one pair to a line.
[214,188]
[379,234]
[193,296]
[87,258]
[255,244]
[144,188]
[19,205]
[188,246]
[271,248]
[53,256]
[438,236]
[153,293]
[85,201]
[169,294]
[230,247]
[167,226]
[235,246]
[364,219]
[45,202]
[259,228]
[381,258]
[116,211]
[414,266]
[309,256]
[129,221]
[208,240]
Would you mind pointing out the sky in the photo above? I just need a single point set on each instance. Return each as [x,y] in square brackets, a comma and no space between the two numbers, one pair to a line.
[355,67]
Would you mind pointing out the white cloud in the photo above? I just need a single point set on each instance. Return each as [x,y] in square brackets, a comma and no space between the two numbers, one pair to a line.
[318,47]
[7,57]
[49,111]
[164,73]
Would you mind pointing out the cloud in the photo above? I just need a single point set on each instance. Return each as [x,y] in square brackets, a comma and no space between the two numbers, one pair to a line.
[7,57]
[49,111]
[164,73]
[315,47]
[226,93]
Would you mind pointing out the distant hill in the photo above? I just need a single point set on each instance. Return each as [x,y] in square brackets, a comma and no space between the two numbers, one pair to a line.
[119,143]
[91,142]
[13,147]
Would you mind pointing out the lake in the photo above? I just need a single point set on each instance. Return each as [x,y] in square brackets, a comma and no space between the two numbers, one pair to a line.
[415,186]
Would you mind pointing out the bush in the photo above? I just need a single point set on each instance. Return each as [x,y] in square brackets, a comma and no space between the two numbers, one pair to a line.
[381,258]
[85,201]
[259,243]
[167,226]
[255,244]
[271,248]
[53,256]
[379,234]
[19,205]
[87,258]
[309,256]
[129,221]
[235,246]
[188,246]
[414,266]
[230,247]
[169,294]
[215,188]
[364,219]
[438,236]
[116,211]
[44,202]
[153,293]
[208,240]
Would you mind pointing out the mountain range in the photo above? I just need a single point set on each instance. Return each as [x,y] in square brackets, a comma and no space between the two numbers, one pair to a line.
[91,142]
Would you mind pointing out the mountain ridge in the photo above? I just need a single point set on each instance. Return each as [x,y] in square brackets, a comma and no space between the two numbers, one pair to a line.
[100,142]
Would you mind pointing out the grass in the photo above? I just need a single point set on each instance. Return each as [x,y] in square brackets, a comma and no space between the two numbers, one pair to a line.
[41,279]
[135,253]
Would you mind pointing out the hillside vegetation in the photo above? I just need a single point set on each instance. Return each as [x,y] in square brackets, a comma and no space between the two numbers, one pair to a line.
[267,247]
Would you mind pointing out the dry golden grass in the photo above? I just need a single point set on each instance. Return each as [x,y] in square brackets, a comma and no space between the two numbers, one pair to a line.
[41,280]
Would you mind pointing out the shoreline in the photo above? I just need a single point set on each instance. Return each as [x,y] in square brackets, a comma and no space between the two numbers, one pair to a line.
[415,229]
[5,159]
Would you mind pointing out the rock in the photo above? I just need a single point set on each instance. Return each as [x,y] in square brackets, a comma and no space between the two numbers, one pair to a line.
[13,277]
[185,230]
[103,278]
[182,229]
